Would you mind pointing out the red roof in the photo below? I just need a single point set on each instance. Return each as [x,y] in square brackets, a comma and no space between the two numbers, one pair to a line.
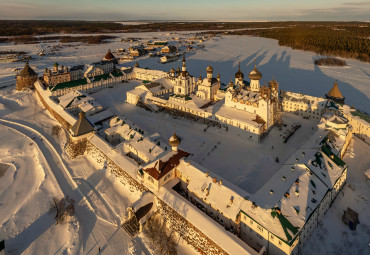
[158,171]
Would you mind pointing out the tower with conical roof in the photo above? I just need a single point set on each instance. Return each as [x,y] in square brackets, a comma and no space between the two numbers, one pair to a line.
[335,95]
[78,136]
[26,78]
[255,77]
[109,56]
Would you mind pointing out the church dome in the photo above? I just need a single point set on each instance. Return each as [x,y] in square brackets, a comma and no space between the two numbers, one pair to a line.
[239,74]
[174,141]
[200,78]
[209,69]
[255,74]
[172,70]
[231,84]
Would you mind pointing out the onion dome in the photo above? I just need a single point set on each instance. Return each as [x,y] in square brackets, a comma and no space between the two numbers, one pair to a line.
[174,141]
[178,69]
[27,71]
[172,70]
[255,74]
[334,92]
[239,74]
[218,76]
[209,69]
[136,64]
[200,78]
[231,84]
[109,55]
[273,84]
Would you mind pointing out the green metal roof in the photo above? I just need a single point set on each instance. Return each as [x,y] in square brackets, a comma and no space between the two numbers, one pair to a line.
[75,83]
[69,84]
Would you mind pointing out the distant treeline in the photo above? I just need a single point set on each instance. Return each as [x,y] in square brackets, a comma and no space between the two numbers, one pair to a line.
[44,27]
[29,39]
[345,39]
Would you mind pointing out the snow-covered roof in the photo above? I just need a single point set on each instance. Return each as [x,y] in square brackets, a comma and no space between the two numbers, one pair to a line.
[67,99]
[239,115]
[222,196]
[334,120]
[303,99]
[226,240]
[86,106]
[156,73]
[45,94]
[123,130]
[137,92]
[318,161]
[295,191]
[245,95]
[103,115]
[157,85]
[146,147]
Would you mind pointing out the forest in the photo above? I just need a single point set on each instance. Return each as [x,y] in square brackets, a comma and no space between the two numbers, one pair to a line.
[349,41]
[44,27]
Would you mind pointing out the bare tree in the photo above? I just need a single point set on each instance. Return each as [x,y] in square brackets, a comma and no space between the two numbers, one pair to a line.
[163,239]
[63,208]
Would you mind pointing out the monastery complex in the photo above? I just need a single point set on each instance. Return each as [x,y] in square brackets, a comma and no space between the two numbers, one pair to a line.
[278,219]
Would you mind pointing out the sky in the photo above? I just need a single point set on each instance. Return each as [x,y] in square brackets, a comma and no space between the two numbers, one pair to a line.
[213,10]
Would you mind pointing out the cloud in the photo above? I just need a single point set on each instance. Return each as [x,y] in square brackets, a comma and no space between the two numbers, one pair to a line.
[356,3]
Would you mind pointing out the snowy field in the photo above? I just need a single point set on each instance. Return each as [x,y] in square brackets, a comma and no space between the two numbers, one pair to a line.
[30,177]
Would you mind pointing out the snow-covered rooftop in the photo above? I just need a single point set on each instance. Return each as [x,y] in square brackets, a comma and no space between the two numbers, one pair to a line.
[222,196]
[295,191]
[239,115]
[304,99]
[103,115]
